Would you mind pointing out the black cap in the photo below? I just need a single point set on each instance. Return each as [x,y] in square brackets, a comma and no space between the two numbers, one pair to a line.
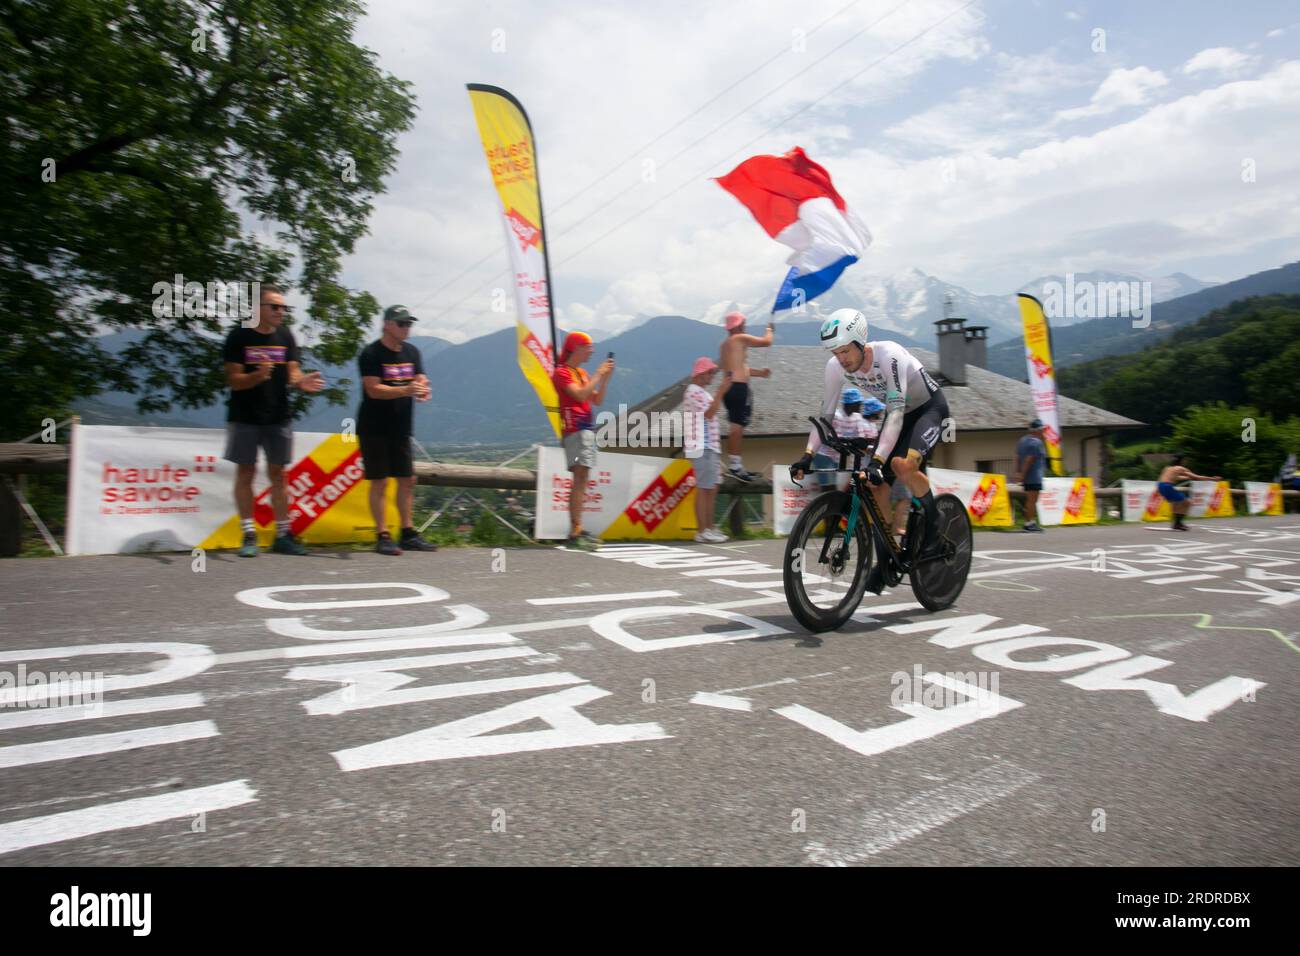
[395,312]
[1036,423]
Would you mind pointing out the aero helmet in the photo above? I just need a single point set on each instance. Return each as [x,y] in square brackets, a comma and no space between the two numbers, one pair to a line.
[844,326]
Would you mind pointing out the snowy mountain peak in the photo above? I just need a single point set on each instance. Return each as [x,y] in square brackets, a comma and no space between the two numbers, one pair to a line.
[911,301]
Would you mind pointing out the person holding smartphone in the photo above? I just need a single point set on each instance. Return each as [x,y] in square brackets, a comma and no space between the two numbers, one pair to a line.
[261,365]
[577,393]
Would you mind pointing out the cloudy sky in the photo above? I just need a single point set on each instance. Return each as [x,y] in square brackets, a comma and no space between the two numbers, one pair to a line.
[985,142]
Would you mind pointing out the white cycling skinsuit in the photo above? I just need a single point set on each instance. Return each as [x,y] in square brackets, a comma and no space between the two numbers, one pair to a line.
[898,379]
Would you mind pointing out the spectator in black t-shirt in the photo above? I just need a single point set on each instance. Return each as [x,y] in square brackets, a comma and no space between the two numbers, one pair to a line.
[392,379]
[261,364]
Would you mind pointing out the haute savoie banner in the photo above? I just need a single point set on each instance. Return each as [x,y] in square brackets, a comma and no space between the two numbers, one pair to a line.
[168,489]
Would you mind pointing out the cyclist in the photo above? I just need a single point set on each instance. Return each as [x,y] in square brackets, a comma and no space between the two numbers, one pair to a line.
[915,412]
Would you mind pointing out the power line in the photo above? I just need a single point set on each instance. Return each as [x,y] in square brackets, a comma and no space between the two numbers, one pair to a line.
[619,165]
[715,163]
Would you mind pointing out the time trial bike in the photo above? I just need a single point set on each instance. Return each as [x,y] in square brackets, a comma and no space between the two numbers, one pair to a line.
[841,534]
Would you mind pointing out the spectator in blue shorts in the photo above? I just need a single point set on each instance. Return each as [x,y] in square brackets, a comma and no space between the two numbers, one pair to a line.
[1179,502]
[1030,455]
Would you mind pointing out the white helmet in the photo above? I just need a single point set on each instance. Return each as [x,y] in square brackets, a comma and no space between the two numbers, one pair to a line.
[844,326]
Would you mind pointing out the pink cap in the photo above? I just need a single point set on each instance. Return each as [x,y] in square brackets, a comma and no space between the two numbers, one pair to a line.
[734,320]
[703,364]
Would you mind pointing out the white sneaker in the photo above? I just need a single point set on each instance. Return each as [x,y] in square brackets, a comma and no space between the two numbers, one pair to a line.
[716,536]
[701,539]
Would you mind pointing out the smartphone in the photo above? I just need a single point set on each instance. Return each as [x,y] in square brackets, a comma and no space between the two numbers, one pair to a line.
[610,356]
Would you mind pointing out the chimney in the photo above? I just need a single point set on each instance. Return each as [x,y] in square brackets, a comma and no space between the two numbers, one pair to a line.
[977,345]
[952,349]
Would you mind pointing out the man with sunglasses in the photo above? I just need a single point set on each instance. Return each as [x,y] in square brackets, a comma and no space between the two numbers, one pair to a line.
[261,364]
[392,379]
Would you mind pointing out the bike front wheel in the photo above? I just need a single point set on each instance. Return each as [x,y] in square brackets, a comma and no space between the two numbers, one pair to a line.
[825,575]
[937,582]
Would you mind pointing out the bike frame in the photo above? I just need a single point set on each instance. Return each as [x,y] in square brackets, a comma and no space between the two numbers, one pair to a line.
[888,551]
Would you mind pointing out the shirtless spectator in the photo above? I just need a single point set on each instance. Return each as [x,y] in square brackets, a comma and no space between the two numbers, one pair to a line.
[738,400]
[1179,502]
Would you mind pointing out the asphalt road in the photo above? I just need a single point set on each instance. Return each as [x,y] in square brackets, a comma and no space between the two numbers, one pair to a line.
[1105,696]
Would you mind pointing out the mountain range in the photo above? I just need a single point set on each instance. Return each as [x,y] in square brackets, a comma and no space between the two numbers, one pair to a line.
[479,396]
[910,302]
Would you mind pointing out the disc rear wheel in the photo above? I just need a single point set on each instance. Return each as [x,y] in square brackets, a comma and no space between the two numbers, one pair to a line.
[938,582]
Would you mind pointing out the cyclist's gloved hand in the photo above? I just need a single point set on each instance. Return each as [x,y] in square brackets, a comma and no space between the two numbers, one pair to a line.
[801,467]
[875,471]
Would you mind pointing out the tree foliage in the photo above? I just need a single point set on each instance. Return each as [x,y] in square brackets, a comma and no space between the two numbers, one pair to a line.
[148,138]
[1239,443]
[1247,353]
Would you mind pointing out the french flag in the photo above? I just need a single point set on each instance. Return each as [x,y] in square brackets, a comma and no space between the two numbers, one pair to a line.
[794,200]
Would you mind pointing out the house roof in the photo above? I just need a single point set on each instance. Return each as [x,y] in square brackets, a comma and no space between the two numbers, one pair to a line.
[987,402]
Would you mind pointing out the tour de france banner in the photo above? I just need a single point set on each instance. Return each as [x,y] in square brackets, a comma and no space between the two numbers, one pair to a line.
[629,497]
[789,500]
[1263,498]
[1211,499]
[984,495]
[507,140]
[168,489]
[1208,499]
[1067,501]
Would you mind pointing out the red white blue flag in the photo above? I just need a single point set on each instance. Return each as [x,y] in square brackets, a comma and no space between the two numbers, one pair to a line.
[794,200]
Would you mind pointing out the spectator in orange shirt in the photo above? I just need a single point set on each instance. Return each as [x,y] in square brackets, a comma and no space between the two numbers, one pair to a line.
[577,393]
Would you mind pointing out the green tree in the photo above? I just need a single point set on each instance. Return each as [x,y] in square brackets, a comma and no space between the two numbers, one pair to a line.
[1246,353]
[1218,441]
[148,138]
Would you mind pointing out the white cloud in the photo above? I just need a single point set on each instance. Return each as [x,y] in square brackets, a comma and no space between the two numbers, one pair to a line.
[1026,200]
[599,86]
[1220,59]
[1161,187]
[1276,33]
[1011,111]
[1120,88]
[1072,15]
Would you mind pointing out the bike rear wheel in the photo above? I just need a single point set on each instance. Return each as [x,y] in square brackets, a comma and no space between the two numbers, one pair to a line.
[824,575]
[938,582]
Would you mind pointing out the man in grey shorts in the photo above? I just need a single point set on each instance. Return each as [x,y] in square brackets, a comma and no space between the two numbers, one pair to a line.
[261,363]
[702,446]
[577,392]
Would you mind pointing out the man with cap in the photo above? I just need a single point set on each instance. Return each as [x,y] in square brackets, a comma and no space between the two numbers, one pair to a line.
[739,402]
[392,380]
[702,446]
[577,393]
[1030,455]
